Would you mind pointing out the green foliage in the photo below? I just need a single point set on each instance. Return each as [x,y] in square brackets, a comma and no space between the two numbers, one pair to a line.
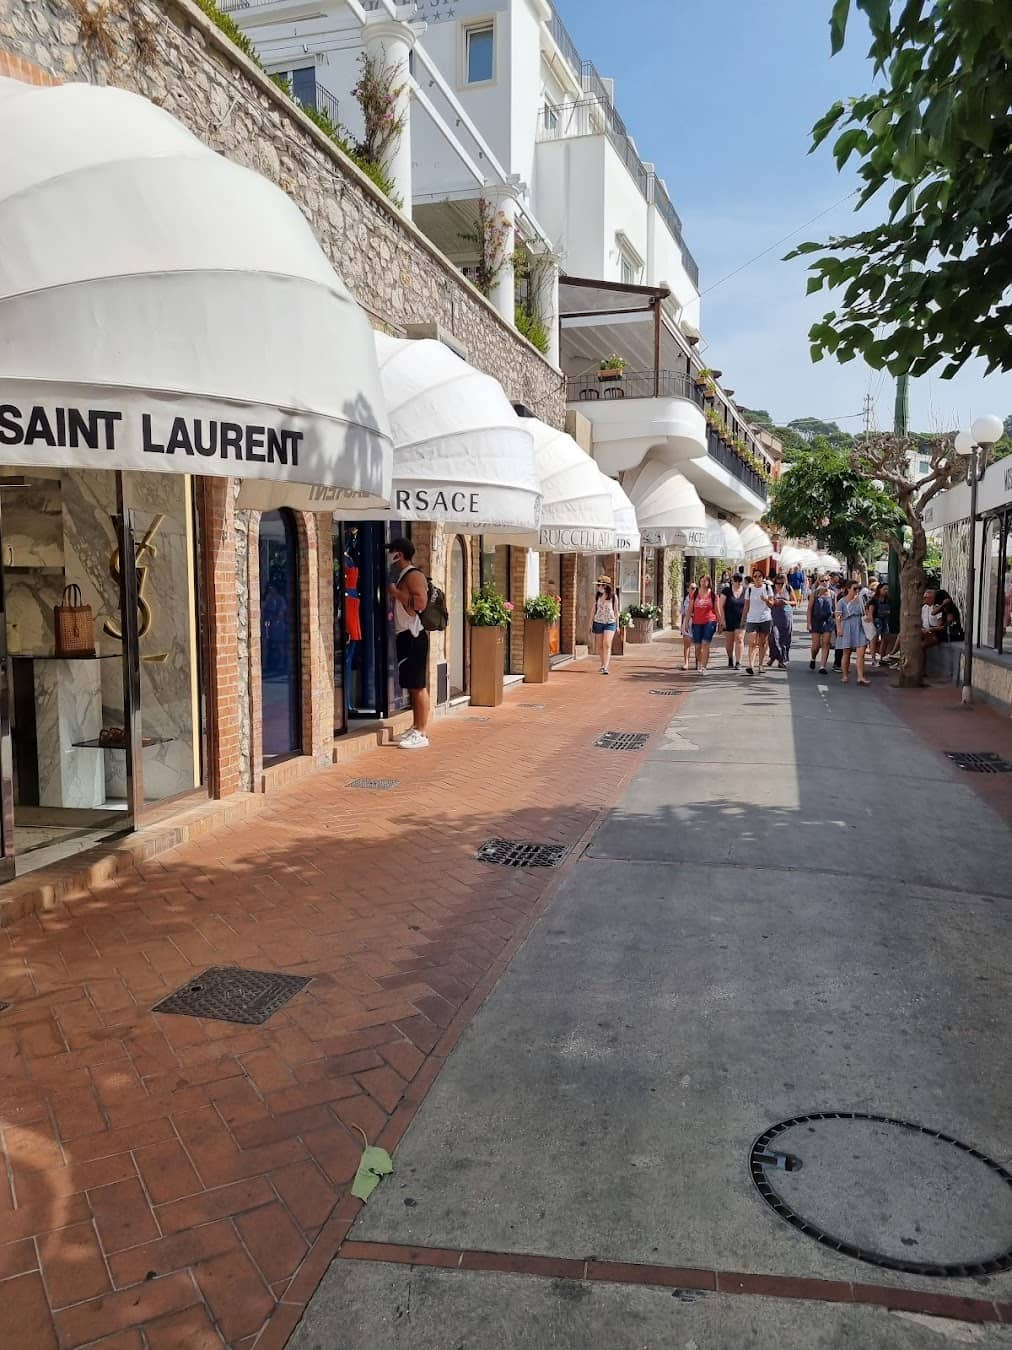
[547,607]
[931,283]
[823,484]
[638,611]
[489,609]
[531,327]
[625,619]
[231,30]
[613,362]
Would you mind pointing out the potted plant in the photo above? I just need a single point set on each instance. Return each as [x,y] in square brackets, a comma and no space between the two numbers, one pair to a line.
[644,620]
[611,368]
[540,614]
[703,379]
[488,618]
[624,624]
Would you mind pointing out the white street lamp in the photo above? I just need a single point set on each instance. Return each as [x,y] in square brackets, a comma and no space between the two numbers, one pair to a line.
[974,445]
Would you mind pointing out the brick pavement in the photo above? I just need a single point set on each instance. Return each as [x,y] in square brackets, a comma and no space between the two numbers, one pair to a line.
[172,1180]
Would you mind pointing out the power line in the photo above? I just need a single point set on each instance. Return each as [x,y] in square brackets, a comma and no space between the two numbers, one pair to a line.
[804,225]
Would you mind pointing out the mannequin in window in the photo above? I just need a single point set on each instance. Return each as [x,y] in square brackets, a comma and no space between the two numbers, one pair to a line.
[352,609]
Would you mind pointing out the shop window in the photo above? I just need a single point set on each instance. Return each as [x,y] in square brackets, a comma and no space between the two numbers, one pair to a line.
[280,635]
[990,582]
[1005,635]
[479,53]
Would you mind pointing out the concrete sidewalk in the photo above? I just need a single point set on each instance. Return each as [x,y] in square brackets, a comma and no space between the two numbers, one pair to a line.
[798,906]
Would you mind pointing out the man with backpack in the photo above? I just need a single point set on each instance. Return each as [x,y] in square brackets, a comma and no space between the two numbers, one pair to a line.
[410,596]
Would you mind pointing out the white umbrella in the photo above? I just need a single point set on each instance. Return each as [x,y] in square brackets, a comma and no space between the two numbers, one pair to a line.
[162,308]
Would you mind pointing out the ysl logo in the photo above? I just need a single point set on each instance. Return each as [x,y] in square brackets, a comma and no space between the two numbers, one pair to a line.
[146,545]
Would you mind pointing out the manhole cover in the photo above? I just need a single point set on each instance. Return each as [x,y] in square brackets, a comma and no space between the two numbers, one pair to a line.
[375,784]
[980,761]
[622,740]
[231,994]
[516,853]
[888,1192]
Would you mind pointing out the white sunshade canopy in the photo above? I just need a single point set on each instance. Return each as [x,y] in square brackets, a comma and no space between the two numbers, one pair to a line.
[757,542]
[715,545]
[162,308]
[627,531]
[734,549]
[668,507]
[461,454]
[828,562]
[576,511]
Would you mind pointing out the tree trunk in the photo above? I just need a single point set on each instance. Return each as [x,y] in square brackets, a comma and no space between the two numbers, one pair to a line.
[911,672]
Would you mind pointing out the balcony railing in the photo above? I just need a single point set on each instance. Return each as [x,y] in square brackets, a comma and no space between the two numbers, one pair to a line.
[635,384]
[325,102]
[564,42]
[727,458]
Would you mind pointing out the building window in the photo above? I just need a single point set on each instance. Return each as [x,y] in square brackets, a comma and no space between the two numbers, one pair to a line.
[479,54]
[924,468]
[303,84]
[551,117]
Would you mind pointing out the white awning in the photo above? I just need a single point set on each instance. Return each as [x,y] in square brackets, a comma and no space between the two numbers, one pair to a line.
[576,511]
[627,532]
[828,563]
[734,549]
[162,308]
[714,547]
[461,454]
[792,556]
[668,507]
[756,541]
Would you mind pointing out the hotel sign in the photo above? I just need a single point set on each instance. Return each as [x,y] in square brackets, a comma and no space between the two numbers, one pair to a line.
[673,538]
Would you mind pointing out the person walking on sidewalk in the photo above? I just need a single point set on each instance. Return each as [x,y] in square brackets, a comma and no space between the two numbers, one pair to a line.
[605,619]
[731,607]
[410,594]
[850,635]
[781,605]
[758,620]
[704,622]
[690,596]
[822,626]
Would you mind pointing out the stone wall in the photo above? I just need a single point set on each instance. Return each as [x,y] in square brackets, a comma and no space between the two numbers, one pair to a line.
[171,53]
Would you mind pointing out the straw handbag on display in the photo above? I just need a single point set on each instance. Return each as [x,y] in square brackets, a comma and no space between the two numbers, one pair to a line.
[74,625]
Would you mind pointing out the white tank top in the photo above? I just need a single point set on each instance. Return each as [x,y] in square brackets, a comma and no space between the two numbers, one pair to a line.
[758,603]
[404,621]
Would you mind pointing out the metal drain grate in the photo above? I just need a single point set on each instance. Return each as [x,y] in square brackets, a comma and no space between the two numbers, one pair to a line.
[530,705]
[670,693]
[979,761]
[375,784]
[517,853]
[840,1168]
[469,718]
[4,1007]
[231,994]
[622,740]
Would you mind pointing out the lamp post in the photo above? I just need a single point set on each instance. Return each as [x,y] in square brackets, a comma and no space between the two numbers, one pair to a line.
[974,444]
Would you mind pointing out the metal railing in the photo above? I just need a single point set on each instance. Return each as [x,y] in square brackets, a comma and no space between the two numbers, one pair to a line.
[634,384]
[727,458]
[595,117]
[564,42]
[326,103]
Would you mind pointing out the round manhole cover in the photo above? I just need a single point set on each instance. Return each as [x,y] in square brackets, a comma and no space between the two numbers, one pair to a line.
[889,1192]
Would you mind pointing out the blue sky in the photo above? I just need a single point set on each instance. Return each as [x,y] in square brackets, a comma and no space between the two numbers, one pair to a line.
[721,97]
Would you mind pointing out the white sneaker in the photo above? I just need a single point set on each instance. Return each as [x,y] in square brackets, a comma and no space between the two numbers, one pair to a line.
[414,740]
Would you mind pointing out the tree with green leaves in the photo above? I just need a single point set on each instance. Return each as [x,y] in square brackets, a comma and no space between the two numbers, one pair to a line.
[931,283]
[824,495]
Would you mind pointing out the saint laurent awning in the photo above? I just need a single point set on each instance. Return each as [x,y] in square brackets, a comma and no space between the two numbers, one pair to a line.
[576,511]
[668,508]
[162,308]
[627,531]
[461,454]
[757,543]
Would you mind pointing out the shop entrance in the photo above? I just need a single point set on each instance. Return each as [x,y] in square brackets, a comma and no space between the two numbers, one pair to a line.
[553,586]
[280,635]
[365,663]
[458,618]
[101,670]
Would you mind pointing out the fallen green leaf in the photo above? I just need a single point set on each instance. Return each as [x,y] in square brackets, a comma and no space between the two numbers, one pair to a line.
[375,1164]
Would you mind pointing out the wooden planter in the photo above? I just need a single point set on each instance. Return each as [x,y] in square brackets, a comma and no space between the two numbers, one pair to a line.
[609,374]
[488,658]
[642,630]
[536,651]
[618,646]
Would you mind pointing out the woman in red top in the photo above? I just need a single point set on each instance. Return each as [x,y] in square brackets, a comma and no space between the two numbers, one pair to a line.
[704,622]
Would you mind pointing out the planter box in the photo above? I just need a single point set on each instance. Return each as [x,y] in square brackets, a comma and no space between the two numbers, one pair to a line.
[488,658]
[618,646]
[536,651]
[642,630]
[609,374]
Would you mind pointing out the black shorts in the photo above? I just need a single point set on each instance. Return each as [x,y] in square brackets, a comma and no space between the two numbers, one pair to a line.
[413,659]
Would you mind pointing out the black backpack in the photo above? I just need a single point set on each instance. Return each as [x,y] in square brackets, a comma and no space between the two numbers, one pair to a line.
[435,617]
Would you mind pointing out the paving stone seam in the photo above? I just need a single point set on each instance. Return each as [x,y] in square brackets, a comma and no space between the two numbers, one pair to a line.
[955,1307]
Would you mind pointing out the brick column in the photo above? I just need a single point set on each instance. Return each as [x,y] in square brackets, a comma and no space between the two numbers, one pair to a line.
[518,594]
[216,517]
[567,628]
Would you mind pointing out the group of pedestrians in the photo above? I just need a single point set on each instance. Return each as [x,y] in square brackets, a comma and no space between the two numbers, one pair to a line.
[844,616]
